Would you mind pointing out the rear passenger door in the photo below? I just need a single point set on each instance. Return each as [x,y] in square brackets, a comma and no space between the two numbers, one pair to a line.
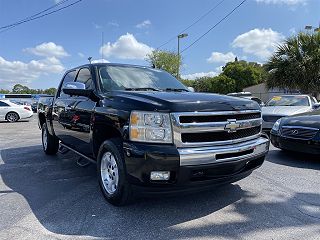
[61,117]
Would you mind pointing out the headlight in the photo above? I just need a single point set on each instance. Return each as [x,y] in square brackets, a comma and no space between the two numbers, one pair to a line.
[150,127]
[276,125]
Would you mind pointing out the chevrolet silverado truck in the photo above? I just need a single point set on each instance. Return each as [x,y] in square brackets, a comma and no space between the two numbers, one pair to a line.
[148,133]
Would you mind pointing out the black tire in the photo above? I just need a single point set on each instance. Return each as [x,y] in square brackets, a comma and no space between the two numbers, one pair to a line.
[12,117]
[50,144]
[122,194]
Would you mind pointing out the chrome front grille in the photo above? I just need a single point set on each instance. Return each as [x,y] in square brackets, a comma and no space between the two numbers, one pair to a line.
[299,132]
[192,129]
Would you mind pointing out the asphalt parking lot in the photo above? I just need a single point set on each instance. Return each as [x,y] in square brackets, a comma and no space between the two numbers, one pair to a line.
[44,197]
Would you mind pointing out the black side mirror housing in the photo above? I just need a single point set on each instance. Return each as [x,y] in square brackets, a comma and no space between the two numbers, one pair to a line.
[74,91]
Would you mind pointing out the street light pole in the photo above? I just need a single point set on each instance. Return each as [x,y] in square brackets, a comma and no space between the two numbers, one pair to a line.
[182,35]
[309,27]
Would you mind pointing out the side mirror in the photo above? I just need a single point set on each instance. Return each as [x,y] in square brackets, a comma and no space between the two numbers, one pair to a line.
[316,106]
[191,89]
[79,89]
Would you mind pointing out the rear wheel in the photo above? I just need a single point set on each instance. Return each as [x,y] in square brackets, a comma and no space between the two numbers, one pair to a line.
[111,174]
[12,117]
[50,143]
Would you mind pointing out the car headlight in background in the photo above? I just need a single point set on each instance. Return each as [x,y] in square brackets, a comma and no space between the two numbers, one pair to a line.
[150,127]
[276,125]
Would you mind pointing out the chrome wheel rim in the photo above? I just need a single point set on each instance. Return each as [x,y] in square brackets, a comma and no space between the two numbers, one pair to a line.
[44,139]
[12,117]
[109,172]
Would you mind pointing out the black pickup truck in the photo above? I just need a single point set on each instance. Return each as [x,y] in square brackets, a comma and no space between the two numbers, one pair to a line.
[146,131]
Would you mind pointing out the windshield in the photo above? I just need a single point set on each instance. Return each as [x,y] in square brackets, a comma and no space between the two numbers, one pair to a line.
[137,78]
[289,101]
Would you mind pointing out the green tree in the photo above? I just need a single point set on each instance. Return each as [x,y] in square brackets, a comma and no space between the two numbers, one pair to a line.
[188,83]
[219,84]
[223,84]
[165,60]
[4,91]
[18,88]
[50,91]
[296,64]
[244,73]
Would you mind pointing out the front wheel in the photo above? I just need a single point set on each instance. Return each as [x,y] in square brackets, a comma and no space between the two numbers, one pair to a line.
[50,143]
[111,174]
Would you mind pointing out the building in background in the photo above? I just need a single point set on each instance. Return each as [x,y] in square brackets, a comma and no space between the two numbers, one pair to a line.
[261,91]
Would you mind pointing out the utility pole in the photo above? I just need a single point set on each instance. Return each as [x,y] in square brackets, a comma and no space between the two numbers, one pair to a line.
[182,35]
[102,43]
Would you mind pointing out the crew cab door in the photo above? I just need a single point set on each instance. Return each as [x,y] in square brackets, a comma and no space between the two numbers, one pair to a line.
[80,112]
[61,110]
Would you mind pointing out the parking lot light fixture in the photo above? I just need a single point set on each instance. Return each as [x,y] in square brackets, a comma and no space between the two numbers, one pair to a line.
[182,35]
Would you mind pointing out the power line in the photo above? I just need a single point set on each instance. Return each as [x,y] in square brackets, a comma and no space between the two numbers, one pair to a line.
[192,24]
[225,17]
[37,16]
[34,15]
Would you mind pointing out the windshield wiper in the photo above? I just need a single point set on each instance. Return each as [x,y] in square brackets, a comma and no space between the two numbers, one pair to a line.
[177,89]
[142,89]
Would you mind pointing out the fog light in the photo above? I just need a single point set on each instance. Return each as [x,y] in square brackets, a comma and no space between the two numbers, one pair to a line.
[160,175]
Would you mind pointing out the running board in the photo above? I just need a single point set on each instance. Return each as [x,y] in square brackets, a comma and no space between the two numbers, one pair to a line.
[78,153]
[83,162]
[62,150]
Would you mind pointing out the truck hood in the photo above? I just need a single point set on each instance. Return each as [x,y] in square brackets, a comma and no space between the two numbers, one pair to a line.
[179,101]
[284,110]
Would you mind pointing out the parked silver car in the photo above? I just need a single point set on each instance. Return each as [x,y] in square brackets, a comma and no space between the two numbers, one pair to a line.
[286,105]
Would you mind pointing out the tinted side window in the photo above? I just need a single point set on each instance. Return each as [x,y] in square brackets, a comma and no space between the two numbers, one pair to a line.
[67,78]
[3,104]
[84,76]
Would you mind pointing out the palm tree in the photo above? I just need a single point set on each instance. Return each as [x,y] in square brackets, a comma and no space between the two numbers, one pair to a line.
[296,64]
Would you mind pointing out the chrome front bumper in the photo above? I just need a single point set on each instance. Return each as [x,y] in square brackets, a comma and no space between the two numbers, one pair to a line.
[216,154]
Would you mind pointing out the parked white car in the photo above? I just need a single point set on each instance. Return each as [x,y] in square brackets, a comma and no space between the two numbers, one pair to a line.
[12,112]
[286,105]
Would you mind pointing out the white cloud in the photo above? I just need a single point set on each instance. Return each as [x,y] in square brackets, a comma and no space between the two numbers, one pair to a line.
[80,54]
[217,57]
[96,26]
[114,24]
[144,24]
[292,31]
[194,76]
[283,2]
[219,69]
[100,61]
[126,47]
[48,49]
[259,42]
[13,72]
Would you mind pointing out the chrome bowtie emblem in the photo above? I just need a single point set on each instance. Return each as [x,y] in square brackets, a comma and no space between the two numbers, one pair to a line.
[294,132]
[232,125]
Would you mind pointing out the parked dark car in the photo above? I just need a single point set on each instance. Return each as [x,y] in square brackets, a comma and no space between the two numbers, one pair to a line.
[146,131]
[298,133]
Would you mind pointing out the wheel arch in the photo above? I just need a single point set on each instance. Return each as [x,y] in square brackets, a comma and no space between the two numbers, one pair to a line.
[102,133]
[12,112]
[42,119]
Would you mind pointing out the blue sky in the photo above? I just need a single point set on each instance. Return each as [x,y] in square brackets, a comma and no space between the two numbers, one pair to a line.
[38,52]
